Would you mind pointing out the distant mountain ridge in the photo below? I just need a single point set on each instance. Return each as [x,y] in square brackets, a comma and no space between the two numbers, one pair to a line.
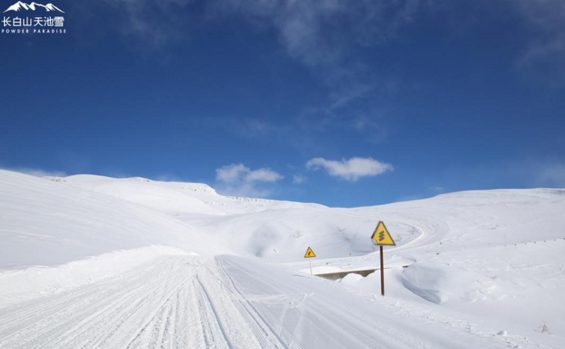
[19,6]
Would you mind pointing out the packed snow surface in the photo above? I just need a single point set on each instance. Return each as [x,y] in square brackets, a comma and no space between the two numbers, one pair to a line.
[96,262]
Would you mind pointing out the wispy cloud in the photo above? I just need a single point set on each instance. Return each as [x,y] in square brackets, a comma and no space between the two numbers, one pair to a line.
[154,22]
[170,177]
[544,58]
[325,36]
[248,190]
[298,179]
[352,169]
[552,176]
[307,29]
[239,180]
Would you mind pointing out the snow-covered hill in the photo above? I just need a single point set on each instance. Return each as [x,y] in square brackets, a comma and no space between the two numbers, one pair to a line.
[493,259]
[46,223]
[280,231]
[175,198]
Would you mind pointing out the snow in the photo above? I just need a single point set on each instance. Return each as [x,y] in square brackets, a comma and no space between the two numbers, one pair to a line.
[47,223]
[91,261]
[34,282]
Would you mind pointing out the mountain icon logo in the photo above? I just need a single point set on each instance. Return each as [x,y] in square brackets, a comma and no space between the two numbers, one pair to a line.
[22,6]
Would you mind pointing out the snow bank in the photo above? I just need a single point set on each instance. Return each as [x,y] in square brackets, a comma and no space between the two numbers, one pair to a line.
[439,283]
[517,288]
[19,285]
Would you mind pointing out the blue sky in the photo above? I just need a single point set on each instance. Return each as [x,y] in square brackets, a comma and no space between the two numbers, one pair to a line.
[345,103]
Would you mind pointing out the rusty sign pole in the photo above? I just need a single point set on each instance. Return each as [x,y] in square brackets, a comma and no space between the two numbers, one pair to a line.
[382,272]
[381,237]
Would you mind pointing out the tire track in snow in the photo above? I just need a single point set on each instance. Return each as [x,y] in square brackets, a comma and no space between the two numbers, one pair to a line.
[261,327]
[89,321]
[46,325]
[210,307]
[301,316]
[177,302]
[162,307]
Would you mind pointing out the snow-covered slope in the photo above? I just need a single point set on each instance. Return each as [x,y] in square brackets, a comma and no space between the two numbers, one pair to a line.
[45,222]
[175,197]
[275,230]
[280,231]
[492,259]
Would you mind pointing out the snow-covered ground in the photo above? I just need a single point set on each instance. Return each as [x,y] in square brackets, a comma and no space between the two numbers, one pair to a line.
[96,262]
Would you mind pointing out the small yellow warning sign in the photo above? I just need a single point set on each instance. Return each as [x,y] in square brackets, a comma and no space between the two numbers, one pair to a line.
[309,253]
[381,236]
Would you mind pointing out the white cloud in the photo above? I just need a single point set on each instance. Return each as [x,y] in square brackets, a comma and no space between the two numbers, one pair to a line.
[239,180]
[238,172]
[352,169]
[263,175]
[231,173]
[298,179]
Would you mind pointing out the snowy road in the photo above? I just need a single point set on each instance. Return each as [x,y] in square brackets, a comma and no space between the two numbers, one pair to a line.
[163,305]
[220,302]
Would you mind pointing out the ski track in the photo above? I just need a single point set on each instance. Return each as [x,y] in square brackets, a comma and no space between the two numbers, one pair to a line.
[203,302]
[164,305]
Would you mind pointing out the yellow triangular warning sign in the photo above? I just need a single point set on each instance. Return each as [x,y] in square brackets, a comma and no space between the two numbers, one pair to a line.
[309,253]
[381,236]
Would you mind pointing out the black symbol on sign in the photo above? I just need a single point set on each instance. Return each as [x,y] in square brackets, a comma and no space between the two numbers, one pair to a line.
[381,235]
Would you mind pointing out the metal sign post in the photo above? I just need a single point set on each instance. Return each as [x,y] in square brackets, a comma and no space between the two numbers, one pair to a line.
[381,237]
[310,254]
[382,272]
